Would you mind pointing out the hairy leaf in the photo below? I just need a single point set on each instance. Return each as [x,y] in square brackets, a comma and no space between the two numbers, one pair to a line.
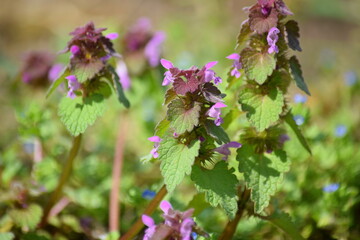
[176,160]
[262,110]
[28,217]
[77,114]
[297,74]
[289,119]
[263,173]
[219,185]
[261,23]
[162,128]
[284,222]
[86,71]
[216,132]
[258,66]
[119,89]
[183,118]
[292,30]
[244,33]
[58,82]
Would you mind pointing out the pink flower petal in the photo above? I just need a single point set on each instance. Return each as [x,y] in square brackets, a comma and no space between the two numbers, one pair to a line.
[155,139]
[210,64]
[112,36]
[219,105]
[74,49]
[166,63]
[148,221]
[233,56]
[165,206]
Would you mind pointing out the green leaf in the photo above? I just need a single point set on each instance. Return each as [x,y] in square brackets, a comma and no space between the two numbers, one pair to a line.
[33,236]
[219,185]
[86,71]
[216,132]
[231,117]
[244,33]
[57,82]
[169,96]
[162,128]
[28,217]
[292,30]
[182,117]
[289,119]
[257,65]
[284,222]
[7,236]
[262,110]
[198,203]
[119,89]
[78,113]
[176,160]
[262,172]
[297,74]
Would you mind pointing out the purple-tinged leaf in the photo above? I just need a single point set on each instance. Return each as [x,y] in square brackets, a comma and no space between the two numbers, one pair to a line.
[262,23]
[183,85]
[182,117]
[292,31]
[211,93]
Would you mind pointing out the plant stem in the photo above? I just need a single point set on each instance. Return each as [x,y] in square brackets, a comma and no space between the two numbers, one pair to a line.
[65,175]
[114,210]
[136,228]
[230,228]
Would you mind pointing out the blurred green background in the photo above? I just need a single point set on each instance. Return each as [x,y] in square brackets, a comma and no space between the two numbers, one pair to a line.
[197,32]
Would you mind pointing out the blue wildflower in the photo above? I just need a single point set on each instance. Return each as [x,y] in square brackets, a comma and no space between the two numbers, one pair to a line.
[299,120]
[350,78]
[299,98]
[194,235]
[331,187]
[148,194]
[340,130]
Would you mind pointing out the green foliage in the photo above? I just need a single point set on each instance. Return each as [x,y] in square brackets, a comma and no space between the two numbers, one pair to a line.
[176,160]
[258,65]
[297,74]
[183,117]
[80,113]
[84,72]
[198,203]
[292,30]
[7,236]
[219,185]
[57,82]
[118,87]
[217,132]
[162,127]
[244,33]
[27,218]
[283,221]
[262,172]
[263,110]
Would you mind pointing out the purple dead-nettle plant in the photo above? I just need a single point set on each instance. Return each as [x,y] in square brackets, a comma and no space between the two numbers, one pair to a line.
[90,77]
[177,225]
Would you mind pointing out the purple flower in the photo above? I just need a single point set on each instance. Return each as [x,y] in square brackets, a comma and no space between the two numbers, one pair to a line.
[153,48]
[73,85]
[148,194]
[299,120]
[331,187]
[123,74]
[209,74]
[350,78]
[156,140]
[55,71]
[340,130]
[112,36]
[283,138]
[149,222]
[300,98]
[36,67]
[215,112]
[272,38]
[74,49]
[169,77]
[236,65]
[224,149]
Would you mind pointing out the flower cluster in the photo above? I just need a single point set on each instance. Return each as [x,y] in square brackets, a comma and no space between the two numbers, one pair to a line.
[235,70]
[176,225]
[272,39]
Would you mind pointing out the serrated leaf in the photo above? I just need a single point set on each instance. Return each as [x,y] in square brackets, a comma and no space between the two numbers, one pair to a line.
[297,74]
[262,110]
[58,82]
[176,160]
[216,132]
[292,31]
[244,33]
[219,185]
[182,117]
[7,236]
[182,85]
[262,172]
[284,222]
[169,96]
[257,65]
[289,119]
[119,89]
[78,114]
[162,128]
[86,71]
[260,23]
[28,217]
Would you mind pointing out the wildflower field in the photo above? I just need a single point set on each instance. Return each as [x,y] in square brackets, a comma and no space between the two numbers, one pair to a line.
[180,120]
